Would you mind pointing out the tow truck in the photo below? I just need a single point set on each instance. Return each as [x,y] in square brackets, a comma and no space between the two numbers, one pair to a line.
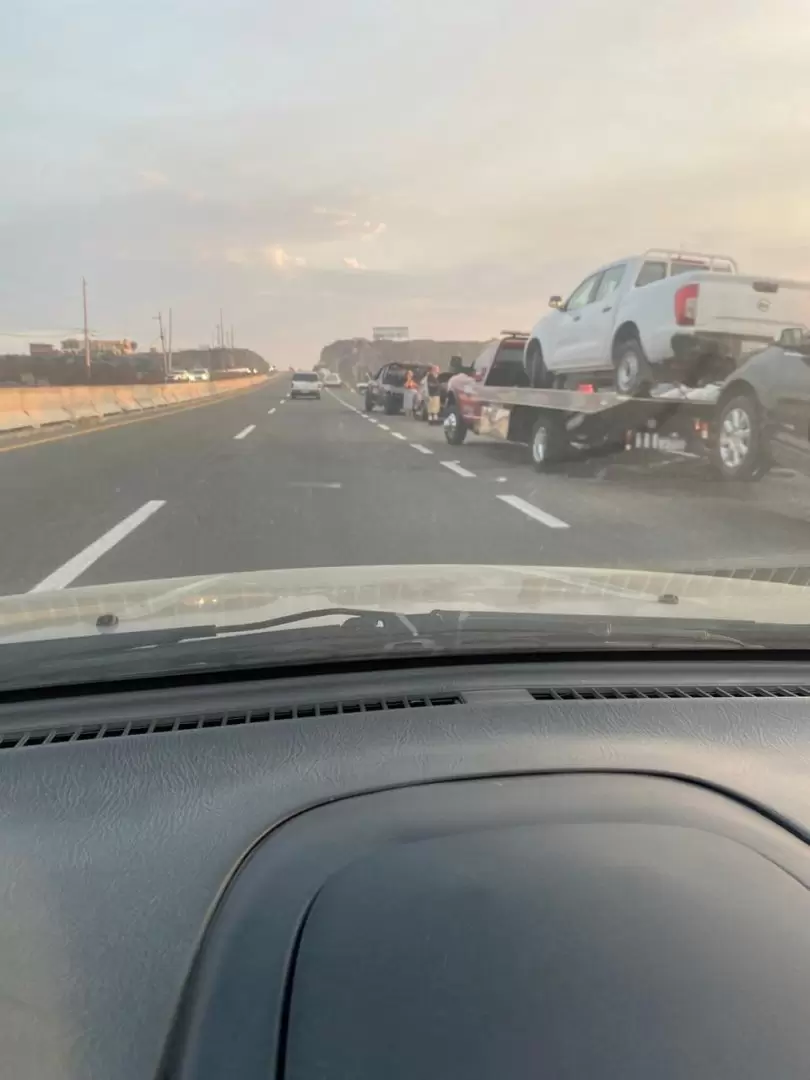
[494,398]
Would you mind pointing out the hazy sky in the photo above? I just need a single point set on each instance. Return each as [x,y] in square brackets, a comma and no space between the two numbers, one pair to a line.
[318,167]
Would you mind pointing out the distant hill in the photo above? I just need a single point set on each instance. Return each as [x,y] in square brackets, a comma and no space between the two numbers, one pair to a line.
[354,358]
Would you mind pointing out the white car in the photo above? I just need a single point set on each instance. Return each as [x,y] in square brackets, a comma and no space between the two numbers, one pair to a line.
[179,375]
[660,317]
[332,379]
[200,375]
[305,384]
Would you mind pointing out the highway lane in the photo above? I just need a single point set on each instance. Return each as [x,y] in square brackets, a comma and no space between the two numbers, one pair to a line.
[258,482]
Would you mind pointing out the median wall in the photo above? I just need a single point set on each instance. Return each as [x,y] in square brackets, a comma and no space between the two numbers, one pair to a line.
[35,407]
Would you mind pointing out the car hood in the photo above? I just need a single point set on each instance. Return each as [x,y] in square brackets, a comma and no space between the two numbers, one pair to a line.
[238,598]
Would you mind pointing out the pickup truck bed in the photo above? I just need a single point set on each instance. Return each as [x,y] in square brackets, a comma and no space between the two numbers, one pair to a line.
[688,326]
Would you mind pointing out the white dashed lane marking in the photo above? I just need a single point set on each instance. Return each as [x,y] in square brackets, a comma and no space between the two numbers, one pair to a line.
[384,427]
[399,435]
[420,448]
[245,432]
[459,470]
[533,511]
[79,563]
[270,412]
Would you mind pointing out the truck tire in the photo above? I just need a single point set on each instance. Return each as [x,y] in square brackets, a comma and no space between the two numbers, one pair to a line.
[390,406]
[738,452]
[630,368]
[549,441]
[455,427]
[536,370]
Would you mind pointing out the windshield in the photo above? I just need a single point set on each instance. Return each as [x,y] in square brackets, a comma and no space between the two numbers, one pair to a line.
[390,308]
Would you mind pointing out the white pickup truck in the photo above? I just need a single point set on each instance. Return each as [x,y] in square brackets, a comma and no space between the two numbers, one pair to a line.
[660,317]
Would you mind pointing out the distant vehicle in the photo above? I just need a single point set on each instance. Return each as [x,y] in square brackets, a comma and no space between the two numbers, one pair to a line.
[332,379]
[387,387]
[179,375]
[305,384]
[200,375]
[662,316]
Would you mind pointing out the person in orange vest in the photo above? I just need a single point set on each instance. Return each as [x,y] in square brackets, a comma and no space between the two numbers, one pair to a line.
[410,387]
[434,401]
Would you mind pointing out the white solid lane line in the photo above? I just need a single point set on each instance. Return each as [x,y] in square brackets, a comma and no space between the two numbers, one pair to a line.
[245,432]
[420,448]
[79,563]
[398,435]
[533,511]
[270,412]
[454,466]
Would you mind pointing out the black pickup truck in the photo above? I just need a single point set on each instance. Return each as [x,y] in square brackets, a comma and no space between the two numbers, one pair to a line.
[387,387]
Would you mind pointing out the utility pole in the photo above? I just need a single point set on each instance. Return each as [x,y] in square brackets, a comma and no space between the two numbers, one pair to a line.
[221,330]
[159,318]
[86,332]
[231,337]
[170,340]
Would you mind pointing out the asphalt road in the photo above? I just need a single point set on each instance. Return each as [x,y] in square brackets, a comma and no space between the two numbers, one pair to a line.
[258,482]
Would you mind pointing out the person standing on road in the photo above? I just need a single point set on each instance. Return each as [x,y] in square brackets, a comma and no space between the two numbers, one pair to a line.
[434,401]
[408,395]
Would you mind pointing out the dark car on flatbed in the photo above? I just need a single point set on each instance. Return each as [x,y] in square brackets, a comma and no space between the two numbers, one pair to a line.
[387,388]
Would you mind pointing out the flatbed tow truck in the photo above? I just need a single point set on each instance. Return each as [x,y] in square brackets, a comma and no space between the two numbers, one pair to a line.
[494,399]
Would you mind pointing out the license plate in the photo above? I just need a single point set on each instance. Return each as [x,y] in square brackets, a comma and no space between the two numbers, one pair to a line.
[671,445]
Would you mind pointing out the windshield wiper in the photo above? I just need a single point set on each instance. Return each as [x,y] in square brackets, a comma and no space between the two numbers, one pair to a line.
[367,634]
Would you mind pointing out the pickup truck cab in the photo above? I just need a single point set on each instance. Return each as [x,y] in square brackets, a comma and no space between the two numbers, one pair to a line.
[662,316]
[387,387]
[499,365]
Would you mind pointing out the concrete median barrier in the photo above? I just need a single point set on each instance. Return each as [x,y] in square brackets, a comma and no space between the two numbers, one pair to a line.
[43,406]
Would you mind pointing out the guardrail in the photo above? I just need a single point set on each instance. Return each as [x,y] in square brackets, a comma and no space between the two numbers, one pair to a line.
[35,407]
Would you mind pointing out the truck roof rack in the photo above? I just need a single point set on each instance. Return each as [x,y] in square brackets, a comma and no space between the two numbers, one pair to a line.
[669,254]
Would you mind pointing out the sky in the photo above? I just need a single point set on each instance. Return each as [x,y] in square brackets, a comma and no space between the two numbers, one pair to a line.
[320,167]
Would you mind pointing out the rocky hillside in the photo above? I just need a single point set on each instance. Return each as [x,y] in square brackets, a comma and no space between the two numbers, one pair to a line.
[357,357]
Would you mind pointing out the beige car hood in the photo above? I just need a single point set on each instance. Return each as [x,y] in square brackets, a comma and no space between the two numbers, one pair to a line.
[227,599]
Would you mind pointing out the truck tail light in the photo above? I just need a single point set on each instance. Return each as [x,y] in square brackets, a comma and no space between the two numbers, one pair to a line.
[686,301]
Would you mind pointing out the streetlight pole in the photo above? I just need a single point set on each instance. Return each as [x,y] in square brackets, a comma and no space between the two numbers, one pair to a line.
[86,332]
[159,318]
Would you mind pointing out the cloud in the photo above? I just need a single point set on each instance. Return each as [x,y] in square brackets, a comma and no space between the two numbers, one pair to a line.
[378,230]
[352,263]
[280,258]
[151,178]
[277,257]
[328,211]
[238,255]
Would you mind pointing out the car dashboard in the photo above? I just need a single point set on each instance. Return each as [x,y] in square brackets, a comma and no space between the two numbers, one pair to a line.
[568,869]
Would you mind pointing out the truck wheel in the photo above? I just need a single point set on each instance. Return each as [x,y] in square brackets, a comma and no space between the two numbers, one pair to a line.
[539,377]
[549,441]
[390,406]
[631,370]
[455,429]
[738,451]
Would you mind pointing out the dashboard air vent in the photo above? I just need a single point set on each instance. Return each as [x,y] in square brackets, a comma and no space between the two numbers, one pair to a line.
[93,732]
[627,693]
